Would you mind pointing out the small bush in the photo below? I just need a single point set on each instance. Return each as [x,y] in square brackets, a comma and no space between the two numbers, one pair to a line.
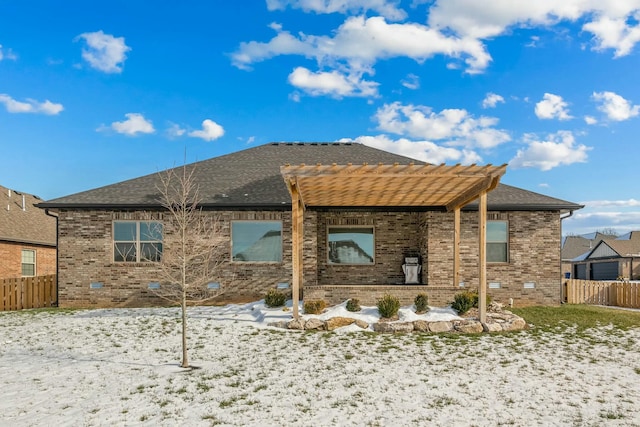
[353,305]
[314,306]
[463,301]
[421,302]
[274,298]
[388,306]
[476,298]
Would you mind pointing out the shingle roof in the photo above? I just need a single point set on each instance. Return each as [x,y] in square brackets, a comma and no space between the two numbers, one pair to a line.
[251,179]
[24,225]
[626,246]
[575,246]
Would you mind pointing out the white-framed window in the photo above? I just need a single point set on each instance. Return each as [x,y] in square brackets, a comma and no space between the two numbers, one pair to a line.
[256,241]
[497,241]
[28,262]
[351,245]
[137,241]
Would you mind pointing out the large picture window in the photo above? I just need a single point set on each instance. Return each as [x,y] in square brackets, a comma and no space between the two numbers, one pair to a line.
[351,245]
[28,262]
[256,241]
[497,241]
[137,241]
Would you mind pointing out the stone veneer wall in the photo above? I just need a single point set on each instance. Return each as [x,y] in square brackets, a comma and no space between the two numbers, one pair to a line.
[11,259]
[534,255]
[86,256]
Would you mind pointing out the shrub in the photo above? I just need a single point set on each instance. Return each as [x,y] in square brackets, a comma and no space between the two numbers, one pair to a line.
[476,298]
[388,306]
[463,301]
[353,305]
[274,298]
[421,302]
[314,306]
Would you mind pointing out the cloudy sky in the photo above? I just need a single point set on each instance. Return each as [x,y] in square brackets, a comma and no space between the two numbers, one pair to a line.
[95,93]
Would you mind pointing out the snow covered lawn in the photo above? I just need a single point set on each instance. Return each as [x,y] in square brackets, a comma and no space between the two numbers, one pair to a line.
[120,367]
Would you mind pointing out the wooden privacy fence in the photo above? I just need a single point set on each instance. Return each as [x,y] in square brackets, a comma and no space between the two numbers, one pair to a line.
[28,292]
[619,294]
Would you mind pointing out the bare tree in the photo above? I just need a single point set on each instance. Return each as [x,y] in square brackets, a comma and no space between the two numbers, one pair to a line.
[193,247]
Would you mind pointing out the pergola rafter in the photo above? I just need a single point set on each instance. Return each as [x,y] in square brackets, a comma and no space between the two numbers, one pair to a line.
[393,186]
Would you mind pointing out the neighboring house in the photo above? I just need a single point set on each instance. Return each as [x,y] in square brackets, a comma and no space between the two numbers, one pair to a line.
[576,246]
[27,236]
[610,259]
[347,249]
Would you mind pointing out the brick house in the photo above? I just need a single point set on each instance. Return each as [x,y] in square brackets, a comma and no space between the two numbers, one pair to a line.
[27,236]
[354,250]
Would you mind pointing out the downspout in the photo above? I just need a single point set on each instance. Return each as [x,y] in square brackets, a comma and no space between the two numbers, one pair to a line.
[46,211]
[562,288]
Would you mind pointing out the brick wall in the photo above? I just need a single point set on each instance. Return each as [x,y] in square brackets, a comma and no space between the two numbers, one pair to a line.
[534,255]
[86,256]
[396,236]
[11,259]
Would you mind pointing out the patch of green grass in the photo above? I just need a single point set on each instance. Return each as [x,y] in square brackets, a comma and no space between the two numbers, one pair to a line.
[578,315]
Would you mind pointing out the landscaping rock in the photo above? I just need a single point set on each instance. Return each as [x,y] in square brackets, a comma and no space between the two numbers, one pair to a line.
[421,326]
[338,322]
[492,327]
[440,326]
[516,324]
[393,327]
[469,327]
[314,324]
[296,324]
[361,323]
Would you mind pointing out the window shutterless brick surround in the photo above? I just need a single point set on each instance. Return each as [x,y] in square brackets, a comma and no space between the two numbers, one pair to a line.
[11,259]
[86,256]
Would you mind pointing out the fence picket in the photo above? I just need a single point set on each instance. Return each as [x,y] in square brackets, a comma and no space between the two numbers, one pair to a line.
[620,294]
[28,292]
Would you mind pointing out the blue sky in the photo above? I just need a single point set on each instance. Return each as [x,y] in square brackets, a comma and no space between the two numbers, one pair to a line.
[92,93]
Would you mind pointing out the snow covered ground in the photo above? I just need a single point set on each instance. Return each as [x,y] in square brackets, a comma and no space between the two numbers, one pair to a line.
[120,367]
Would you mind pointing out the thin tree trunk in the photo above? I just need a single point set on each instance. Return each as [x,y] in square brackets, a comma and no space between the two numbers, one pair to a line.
[185,360]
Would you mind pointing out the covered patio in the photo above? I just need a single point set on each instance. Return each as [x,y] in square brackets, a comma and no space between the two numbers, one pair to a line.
[397,187]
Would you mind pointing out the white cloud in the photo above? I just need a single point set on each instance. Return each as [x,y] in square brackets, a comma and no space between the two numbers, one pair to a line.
[455,126]
[590,120]
[615,107]
[425,151]
[612,203]
[7,54]
[104,52]
[332,83]
[587,221]
[360,42]
[556,150]
[386,8]
[30,106]
[552,107]
[613,23]
[491,100]
[210,131]
[411,82]
[134,124]
[175,131]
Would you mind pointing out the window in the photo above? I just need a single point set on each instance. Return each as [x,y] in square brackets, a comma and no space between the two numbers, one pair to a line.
[497,241]
[256,241]
[137,241]
[351,245]
[28,262]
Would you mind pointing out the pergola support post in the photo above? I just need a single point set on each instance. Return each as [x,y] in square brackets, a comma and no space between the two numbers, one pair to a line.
[297,239]
[456,247]
[482,257]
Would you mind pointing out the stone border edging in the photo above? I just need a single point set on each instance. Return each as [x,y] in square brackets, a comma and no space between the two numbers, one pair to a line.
[496,322]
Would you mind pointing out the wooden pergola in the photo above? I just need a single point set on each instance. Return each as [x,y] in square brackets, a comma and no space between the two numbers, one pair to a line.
[393,186]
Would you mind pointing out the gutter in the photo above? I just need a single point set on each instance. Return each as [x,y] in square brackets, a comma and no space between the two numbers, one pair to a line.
[46,211]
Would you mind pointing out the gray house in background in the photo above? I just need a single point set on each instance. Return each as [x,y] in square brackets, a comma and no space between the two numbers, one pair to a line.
[610,258]
[347,251]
